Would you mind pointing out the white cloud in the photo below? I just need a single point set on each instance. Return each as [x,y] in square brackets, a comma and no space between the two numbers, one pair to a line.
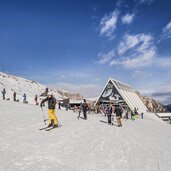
[134,51]
[105,58]
[167,30]
[142,41]
[143,60]
[127,19]
[128,42]
[108,24]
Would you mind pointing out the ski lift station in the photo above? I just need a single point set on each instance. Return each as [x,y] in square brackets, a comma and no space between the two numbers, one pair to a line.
[116,92]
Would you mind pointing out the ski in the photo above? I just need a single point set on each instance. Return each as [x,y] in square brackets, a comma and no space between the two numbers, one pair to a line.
[44,128]
[48,129]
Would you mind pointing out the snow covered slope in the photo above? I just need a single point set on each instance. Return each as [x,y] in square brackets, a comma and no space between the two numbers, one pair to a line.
[79,145]
[20,86]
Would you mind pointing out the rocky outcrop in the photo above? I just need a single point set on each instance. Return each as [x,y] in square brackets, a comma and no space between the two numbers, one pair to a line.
[72,96]
[152,105]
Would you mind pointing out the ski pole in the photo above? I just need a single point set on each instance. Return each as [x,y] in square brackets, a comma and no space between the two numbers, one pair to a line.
[43,116]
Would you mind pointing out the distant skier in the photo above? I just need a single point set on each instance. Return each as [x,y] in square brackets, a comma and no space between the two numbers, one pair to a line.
[79,112]
[113,109]
[109,113]
[46,91]
[126,114]
[36,100]
[24,98]
[51,109]
[85,108]
[142,115]
[3,93]
[67,107]
[118,112]
[132,115]
[75,107]
[136,112]
[98,109]
[59,105]
[14,96]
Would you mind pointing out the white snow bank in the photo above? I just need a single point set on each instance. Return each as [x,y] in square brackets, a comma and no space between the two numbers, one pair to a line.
[79,145]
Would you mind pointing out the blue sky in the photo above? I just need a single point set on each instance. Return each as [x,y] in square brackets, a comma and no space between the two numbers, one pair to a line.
[78,44]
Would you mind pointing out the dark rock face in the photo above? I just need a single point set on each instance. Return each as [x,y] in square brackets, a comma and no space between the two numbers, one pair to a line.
[168,107]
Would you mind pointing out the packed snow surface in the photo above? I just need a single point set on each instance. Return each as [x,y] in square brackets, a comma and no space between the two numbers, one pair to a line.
[80,145]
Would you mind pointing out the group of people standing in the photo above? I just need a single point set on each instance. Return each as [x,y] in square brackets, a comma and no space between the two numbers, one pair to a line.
[14,96]
[118,111]
[109,109]
[135,114]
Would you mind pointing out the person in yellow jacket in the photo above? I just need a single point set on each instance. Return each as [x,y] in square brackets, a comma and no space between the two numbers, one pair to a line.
[51,109]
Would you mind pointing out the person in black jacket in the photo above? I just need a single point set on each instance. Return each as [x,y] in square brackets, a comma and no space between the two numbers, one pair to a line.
[3,93]
[51,110]
[84,108]
[14,96]
[118,112]
[109,113]
[36,100]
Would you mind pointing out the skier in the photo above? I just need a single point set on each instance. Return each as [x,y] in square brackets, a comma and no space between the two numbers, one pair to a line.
[126,114]
[75,107]
[36,98]
[85,108]
[113,109]
[105,108]
[136,112]
[46,91]
[142,115]
[109,113]
[3,93]
[118,112]
[132,115]
[67,106]
[59,105]
[14,96]
[51,110]
[98,110]
[24,98]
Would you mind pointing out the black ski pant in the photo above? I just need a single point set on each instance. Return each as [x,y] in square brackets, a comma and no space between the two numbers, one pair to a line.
[109,119]
[85,114]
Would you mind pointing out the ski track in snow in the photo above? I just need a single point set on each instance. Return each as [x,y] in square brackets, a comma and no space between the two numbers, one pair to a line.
[80,145]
